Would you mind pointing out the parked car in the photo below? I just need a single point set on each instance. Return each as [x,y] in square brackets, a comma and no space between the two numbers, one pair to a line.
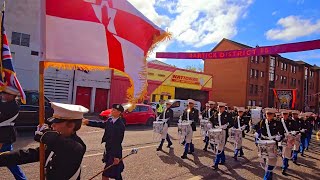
[141,114]
[178,106]
[29,112]
[154,105]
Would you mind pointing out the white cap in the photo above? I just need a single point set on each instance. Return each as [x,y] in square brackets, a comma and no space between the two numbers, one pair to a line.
[242,109]
[270,110]
[295,112]
[308,114]
[207,104]
[284,111]
[68,111]
[191,101]
[211,102]
[221,104]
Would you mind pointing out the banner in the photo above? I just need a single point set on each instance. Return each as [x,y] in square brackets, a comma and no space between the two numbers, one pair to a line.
[286,97]
[259,51]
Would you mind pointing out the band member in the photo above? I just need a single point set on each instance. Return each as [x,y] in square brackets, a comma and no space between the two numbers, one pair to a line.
[64,149]
[222,120]
[297,121]
[207,113]
[167,114]
[113,137]
[269,129]
[190,114]
[310,119]
[289,126]
[305,126]
[240,122]
[212,108]
[9,111]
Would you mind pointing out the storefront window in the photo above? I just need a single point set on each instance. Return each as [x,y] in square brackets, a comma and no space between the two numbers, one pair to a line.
[175,104]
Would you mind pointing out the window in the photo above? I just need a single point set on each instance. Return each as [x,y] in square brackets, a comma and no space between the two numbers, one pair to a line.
[285,67]
[153,97]
[169,97]
[251,73]
[249,103]
[175,104]
[261,89]
[20,39]
[282,66]
[278,63]
[252,59]
[143,108]
[311,73]
[281,79]
[263,60]
[251,88]
[161,96]
[136,109]
[256,89]
[294,69]
[277,77]
[260,103]
[284,80]
[262,74]
[257,59]
[253,103]
[256,74]
[34,53]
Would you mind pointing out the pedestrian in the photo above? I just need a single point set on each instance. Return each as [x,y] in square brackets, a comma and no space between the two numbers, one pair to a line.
[113,138]
[269,129]
[191,114]
[241,122]
[160,107]
[64,149]
[167,118]
[222,120]
[9,111]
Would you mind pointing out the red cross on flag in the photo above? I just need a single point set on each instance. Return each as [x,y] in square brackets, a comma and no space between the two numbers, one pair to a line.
[104,33]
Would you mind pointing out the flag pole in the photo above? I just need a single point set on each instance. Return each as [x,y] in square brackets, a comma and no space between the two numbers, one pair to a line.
[41,83]
[41,117]
[1,47]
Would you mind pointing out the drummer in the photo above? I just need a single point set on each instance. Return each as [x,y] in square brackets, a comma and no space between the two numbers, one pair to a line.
[190,114]
[289,125]
[208,114]
[269,129]
[167,116]
[304,127]
[221,120]
[213,109]
[240,123]
[297,120]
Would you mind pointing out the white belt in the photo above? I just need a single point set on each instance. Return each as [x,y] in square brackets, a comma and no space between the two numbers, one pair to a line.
[267,137]
[9,121]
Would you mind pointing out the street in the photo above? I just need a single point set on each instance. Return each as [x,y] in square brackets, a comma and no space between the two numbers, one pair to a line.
[150,164]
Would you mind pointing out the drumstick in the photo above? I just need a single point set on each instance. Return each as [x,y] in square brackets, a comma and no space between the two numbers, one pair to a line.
[133,151]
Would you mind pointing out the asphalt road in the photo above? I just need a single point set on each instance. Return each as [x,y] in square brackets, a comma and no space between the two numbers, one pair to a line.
[149,164]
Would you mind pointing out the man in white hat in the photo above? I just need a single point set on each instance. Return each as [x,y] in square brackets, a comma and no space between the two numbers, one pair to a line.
[212,107]
[269,129]
[9,111]
[222,120]
[113,138]
[64,149]
[241,122]
[207,114]
[289,126]
[167,117]
[191,114]
[311,119]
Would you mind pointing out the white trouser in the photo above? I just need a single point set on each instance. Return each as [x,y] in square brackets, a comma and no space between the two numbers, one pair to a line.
[220,146]
[164,131]
[189,135]
[238,143]
[271,162]
[286,152]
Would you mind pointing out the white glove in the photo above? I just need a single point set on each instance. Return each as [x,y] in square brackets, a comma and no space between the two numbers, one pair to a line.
[293,132]
[256,135]
[278,138]
[209,125]
[224,126]
[40,129]
[243,127]
[303,130]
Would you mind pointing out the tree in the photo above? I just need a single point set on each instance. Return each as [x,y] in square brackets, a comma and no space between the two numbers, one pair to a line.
[198,68]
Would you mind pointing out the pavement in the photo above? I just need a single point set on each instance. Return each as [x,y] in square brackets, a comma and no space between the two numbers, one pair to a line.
[167,164]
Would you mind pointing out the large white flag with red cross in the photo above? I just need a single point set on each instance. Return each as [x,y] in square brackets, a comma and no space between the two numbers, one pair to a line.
[108,33]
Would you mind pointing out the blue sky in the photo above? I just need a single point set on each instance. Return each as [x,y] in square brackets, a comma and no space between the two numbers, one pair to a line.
[198,25]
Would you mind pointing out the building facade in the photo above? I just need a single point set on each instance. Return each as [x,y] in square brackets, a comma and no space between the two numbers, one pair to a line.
[250,81]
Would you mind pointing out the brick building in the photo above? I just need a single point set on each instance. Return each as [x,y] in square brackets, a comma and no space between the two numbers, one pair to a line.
[250,81]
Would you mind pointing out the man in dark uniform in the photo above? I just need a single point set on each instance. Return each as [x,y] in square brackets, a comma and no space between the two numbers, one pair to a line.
[269,129]
[64,149]
[240,122]
[311,120]
[190,114]
[222,120]
[297,121]
[289,125]
[167,114]
[9,111]
[113,137]
[212,108]
[305,126]
[206,114]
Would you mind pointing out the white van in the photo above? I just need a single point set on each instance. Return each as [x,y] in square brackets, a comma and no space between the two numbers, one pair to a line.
[178,106]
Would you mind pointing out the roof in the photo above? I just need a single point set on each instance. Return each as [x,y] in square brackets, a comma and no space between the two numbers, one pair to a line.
[159,63]
[234,42]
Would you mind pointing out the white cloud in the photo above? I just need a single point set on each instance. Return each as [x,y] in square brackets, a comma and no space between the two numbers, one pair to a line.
[293,27]
[274,13]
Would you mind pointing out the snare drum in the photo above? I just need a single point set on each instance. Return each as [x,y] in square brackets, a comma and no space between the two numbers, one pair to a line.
[235,135]
[288,141]
[158,127]
[267,149]
[216,136]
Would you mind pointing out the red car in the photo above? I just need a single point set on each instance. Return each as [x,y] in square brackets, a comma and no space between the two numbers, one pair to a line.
[142,114]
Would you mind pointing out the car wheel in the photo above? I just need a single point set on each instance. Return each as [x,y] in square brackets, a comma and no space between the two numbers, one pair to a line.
[150,121]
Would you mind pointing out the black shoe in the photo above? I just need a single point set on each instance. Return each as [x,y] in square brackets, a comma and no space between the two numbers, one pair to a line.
[284,172]
[241,155]
[205,149]
[295,162]
[184,157]
[169,145]
[190,152]
[215,167]
[222,163]
[235,158]
[307,148]
[159,149]
[302,154]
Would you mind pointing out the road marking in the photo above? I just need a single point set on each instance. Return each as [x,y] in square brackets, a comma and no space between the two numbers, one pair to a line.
[129,149]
